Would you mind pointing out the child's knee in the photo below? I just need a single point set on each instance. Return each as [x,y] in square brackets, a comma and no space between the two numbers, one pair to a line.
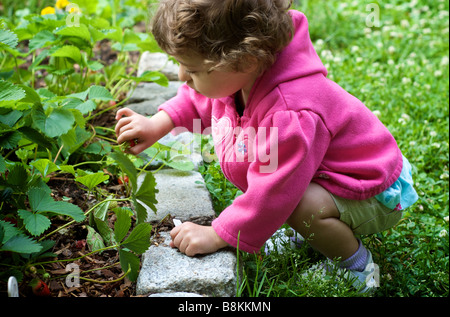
[315,204]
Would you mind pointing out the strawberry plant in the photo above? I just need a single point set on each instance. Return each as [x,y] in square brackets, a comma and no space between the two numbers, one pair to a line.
[54,86]
[129,246]
[39,288]
[34,209]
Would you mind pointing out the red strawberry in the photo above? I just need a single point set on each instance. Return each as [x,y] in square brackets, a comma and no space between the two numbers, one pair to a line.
[123,180]
[132,142]
[11,220]
[80,244]
[39,288]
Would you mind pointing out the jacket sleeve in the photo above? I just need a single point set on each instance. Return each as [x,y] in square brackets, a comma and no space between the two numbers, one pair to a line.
[300,144]
[188,109]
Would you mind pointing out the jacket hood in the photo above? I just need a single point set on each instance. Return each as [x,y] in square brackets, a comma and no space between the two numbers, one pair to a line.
[299,59]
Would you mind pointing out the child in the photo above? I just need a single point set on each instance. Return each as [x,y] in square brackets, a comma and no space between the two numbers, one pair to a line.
[304,151]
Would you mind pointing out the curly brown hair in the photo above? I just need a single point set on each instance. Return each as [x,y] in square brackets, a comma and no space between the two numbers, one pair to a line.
[227,33]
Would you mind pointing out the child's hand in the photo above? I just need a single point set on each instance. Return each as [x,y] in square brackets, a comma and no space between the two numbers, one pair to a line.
[193,239]
[133,128]
[141,131]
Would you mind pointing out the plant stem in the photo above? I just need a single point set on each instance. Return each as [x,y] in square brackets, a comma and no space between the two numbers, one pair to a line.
[100,268]
[119,83]
[18,70]
[106,110]
[33,71]
[57,154]
[114,12]
[104,282]
[86,213]
[80,257]
[13,150]
[106,129]
[159,168]
[106,138]
[153,158]
[123,87]
[97,281]
[87,162]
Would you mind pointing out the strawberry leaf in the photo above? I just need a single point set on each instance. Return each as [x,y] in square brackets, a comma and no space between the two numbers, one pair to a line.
[36,224]
[92,180]
[139,239]
[45,166]
[2,164]
[8,38]
[71,52]
[21,244]
[57,123]
[10,92]
[94,239]
[122,224]
[105,232]
[41,201]
[127,167]
[131,261]
[100,93]
[147,191]
[80,31]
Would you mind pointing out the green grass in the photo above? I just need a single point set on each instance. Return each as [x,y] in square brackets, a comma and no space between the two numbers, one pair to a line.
[400,70]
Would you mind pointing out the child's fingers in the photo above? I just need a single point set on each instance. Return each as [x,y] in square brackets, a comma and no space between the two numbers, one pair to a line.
[125,124]
[124,131]
[173,234]
[120,125]
[124,112]
[178,235]
[123,137]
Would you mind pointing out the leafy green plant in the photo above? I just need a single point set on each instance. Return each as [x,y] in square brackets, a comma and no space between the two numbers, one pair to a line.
[53,87]
[36,219]
[128,244]
[172,155]
[221,190]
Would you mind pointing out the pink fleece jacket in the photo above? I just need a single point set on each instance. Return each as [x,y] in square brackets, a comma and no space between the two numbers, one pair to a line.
[298,127]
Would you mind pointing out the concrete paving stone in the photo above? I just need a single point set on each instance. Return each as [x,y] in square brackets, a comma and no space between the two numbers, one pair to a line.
[166,270]
[158,62]
[147,97]
[180,196]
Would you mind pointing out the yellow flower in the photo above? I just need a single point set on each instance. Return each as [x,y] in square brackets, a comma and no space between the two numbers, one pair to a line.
[61,4]
[75,10]
[48,10]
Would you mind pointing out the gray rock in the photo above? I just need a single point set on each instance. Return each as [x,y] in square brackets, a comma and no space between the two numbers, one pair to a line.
[146,108]
[180,196]
[158,62]
[147,91]
[166,270]
[147,97]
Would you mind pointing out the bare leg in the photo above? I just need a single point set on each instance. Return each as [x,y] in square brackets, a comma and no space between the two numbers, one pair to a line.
[317,218]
